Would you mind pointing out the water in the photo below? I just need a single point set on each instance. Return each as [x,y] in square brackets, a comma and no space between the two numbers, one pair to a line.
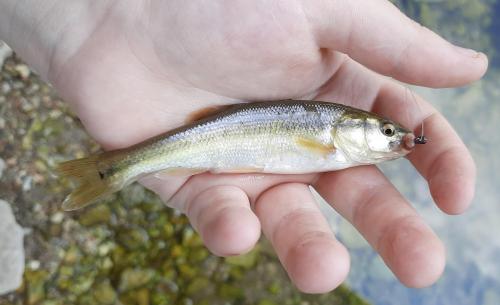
[472,240]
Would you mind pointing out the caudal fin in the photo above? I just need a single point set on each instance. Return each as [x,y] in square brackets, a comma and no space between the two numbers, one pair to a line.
[92,186]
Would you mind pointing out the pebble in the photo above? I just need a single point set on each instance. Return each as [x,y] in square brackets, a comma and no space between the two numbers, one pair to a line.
[6,88]
[11,250]
[23,71]
[105,294]
[34,265]
[2,167]
[27,183]
[133,278]
[57,217]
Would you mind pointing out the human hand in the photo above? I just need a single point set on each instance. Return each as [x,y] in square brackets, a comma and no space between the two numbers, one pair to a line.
[134,69]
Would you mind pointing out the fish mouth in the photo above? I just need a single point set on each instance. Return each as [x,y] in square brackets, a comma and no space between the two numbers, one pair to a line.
[405,144]
[408,142]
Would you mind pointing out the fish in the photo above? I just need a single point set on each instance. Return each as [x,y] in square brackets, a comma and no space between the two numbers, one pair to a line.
[278,137]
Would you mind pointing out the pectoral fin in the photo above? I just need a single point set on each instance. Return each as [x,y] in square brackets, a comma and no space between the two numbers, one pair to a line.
[315,146]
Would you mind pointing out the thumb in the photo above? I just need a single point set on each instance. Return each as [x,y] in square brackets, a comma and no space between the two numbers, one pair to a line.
[376,34]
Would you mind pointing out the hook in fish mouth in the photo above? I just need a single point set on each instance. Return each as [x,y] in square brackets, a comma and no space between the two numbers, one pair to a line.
[420,140]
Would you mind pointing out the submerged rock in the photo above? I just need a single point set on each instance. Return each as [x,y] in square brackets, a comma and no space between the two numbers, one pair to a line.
[134,278]
[105,293]
[11,250]
[2,167]
[97,214]
[23,71]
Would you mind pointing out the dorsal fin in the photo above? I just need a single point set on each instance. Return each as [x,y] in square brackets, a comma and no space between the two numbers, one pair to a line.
[205,112]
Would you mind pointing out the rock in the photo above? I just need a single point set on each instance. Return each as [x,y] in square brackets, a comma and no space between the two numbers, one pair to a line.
[246,261]
[57,217]
[72,255]
[34,265]
[142,297]
[197,285]
[2,167]
[23,71]
[6,88]
[104,293]
[228,291]
[11,250]
[97,214]
[134,278]
[5,51]
[133,238]
[35,291]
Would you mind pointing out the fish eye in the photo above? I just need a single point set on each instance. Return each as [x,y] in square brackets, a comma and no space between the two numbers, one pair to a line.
[388,129]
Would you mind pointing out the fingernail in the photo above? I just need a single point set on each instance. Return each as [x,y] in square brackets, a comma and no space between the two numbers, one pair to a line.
[467,52]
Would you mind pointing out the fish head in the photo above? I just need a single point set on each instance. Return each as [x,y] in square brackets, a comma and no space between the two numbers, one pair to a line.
[366,138]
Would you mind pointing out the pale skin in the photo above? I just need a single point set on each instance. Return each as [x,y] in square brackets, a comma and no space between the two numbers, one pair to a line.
[134,69]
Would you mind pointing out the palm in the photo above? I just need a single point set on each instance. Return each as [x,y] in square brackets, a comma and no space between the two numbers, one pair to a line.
[139,74]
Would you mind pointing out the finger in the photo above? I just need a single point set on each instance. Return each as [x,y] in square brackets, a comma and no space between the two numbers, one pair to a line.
[444,161]
[214,205]
[368,200]
[223,217]
[378,35]
[315,261]
[252,184]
